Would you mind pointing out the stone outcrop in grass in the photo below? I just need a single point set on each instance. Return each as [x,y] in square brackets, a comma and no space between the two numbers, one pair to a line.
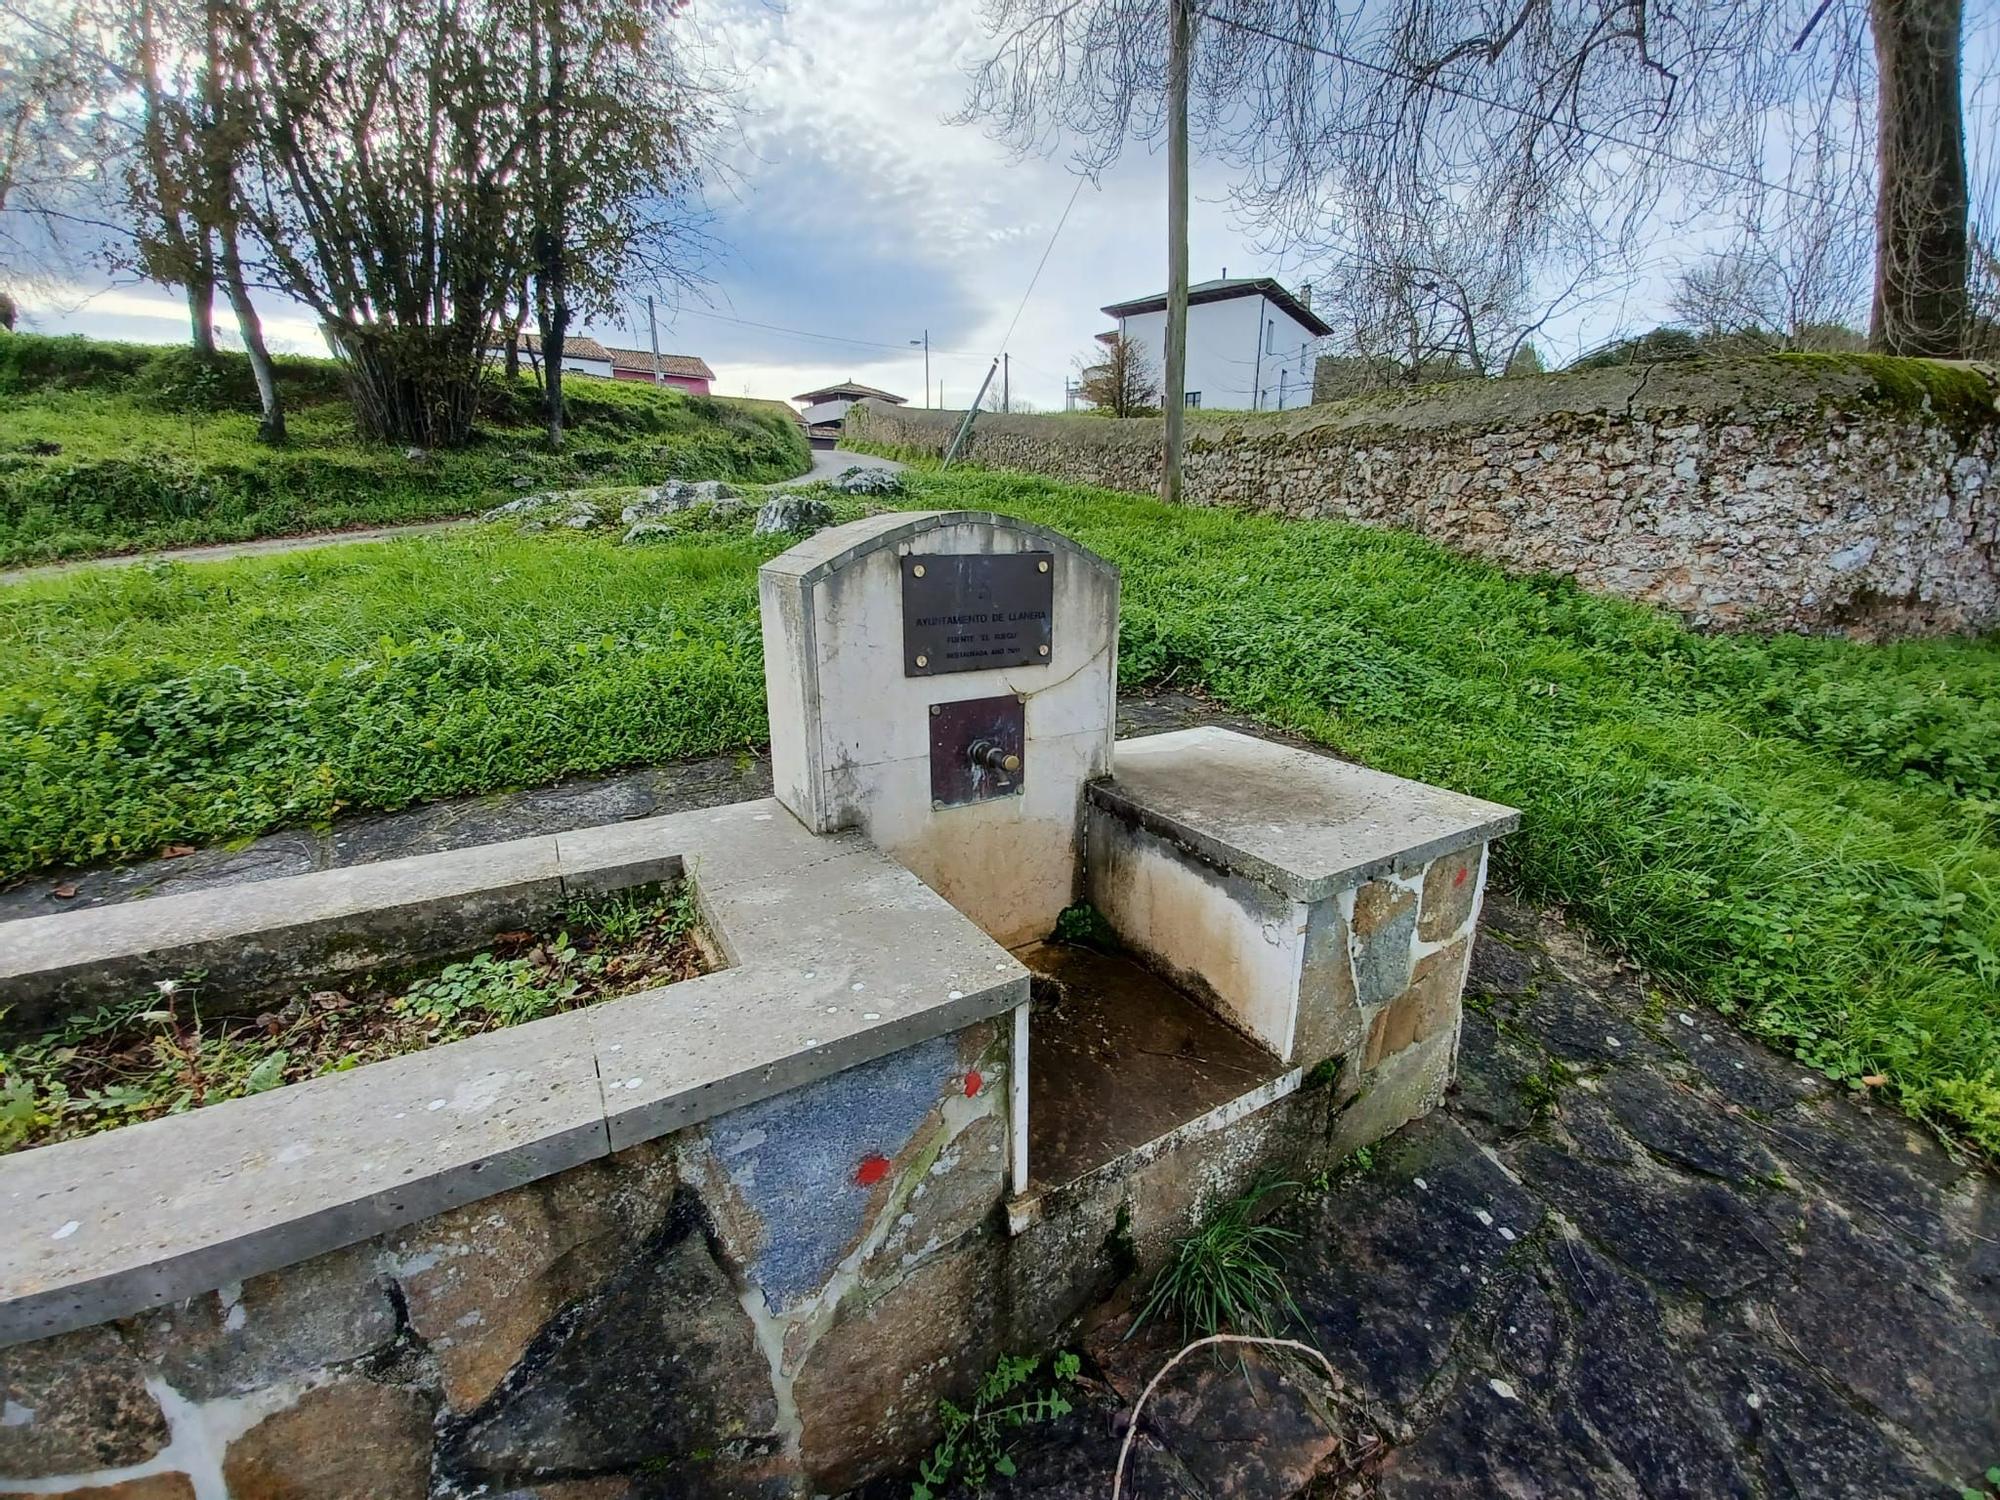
[677,508]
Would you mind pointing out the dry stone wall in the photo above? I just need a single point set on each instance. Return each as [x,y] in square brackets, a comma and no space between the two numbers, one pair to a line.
[1782,493]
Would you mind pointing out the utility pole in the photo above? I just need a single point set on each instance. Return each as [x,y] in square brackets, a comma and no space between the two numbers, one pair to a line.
[1180,41]
[926,342]
[1005,369]
[653,327]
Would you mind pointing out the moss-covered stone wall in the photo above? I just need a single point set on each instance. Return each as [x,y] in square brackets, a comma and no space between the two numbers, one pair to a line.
[1790,492]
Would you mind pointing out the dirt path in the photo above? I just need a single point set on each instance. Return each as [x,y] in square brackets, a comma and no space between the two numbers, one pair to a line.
[219,551]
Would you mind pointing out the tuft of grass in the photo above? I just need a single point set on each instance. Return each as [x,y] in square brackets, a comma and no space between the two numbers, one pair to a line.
[1083,924]
[1229,1275]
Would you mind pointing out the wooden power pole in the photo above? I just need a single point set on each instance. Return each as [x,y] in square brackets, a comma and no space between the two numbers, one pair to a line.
[1180,26]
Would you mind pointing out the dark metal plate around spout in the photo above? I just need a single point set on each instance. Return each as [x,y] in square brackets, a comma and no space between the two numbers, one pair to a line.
[966,612]
[979,749]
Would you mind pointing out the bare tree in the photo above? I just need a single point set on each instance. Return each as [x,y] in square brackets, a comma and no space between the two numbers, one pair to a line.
[54,139]
[1755,298]
[386,139]
[616,129]
[1564,128]
[1121,380]
[1417,301]
[166,192]
[228,82]
[1982,314]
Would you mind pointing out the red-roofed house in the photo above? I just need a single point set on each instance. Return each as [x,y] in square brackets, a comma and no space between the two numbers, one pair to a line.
[683,371]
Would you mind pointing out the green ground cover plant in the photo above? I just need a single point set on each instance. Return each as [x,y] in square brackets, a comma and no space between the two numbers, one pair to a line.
[1802,832]
[1228,1275]
[114,448]
[158,1054]
[973,1448]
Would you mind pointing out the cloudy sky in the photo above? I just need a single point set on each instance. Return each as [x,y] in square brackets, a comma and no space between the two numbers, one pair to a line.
[855,219]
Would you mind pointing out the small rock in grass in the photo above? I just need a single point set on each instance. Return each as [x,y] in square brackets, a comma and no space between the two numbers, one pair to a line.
[517,507]
[860,481]
[662,500]
[792,512]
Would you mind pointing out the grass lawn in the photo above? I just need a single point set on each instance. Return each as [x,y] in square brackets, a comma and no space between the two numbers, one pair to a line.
[116,448]
[1801,831]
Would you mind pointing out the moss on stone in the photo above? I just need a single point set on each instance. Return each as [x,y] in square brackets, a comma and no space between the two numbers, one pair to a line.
[1962,396]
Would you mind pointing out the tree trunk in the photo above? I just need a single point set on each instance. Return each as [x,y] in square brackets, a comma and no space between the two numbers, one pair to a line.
[554,329]
[201,313]
[271,425]
[552,272]
[411,386]
[1920,208]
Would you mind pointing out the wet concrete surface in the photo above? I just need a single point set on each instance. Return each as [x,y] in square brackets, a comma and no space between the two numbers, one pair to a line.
[1118,1057]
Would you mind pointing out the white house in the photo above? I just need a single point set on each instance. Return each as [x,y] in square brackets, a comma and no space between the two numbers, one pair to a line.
[825,408]
[1249,342]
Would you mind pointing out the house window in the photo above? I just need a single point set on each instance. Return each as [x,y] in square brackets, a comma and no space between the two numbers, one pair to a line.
[1194,397]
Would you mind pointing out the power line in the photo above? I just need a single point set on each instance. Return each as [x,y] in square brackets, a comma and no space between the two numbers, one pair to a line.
[1749,179]
[1046,249]
[825,338]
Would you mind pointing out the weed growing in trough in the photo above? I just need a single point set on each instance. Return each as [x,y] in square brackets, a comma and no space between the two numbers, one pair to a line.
[162,1054]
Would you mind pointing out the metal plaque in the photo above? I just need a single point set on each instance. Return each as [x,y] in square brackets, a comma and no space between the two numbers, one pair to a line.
[965,612]
[979,750]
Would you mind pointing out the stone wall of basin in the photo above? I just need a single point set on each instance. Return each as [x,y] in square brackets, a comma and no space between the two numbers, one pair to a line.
[768,1302]
[1776,494]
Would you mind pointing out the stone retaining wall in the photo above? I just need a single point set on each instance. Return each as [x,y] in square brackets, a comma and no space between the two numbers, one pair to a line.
[1786,493]
[781,1289]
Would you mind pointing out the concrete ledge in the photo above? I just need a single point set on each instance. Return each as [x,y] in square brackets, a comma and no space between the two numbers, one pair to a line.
[253,938]
[840,956]
[1305,824]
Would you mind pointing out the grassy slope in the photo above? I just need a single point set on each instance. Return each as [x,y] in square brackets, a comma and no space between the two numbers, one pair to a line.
[156,453]
[1800,830]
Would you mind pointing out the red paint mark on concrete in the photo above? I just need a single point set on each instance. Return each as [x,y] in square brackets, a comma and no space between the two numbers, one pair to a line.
[874,1167]
[973,1083]
[1459,878]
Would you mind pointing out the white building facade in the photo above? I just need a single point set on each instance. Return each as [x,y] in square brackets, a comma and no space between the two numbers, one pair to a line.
[1250,342]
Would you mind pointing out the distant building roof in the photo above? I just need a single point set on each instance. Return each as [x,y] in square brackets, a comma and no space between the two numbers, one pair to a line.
[848,390]
[1221,290]
[685,365]
[574,347]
